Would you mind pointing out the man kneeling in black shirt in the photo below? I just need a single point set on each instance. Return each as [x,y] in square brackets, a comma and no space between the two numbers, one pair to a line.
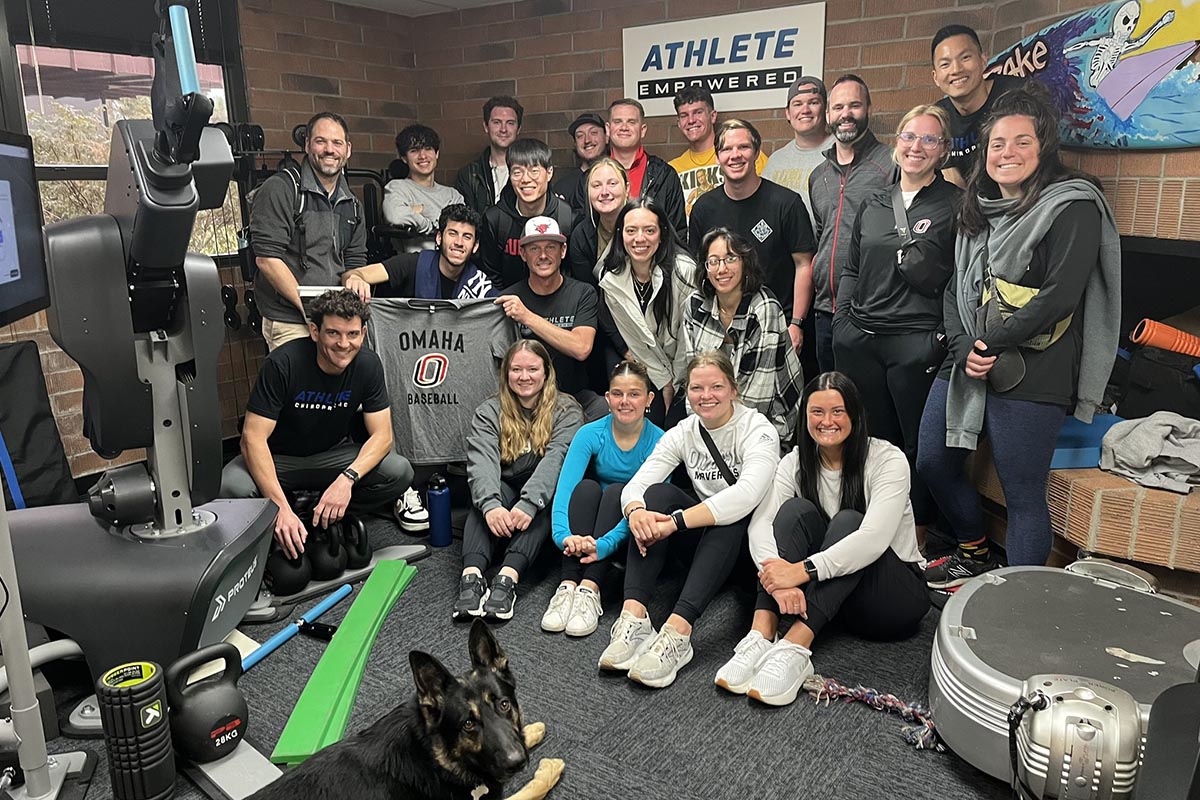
[297,429]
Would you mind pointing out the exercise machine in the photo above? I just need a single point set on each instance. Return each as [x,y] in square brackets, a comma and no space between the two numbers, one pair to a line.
[151,567]
[1046,677]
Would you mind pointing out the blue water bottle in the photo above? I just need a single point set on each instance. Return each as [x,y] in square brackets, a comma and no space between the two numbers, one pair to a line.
[438,503]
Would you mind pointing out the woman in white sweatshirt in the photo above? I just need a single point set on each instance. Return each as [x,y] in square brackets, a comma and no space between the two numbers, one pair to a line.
[730,453]
[834,536]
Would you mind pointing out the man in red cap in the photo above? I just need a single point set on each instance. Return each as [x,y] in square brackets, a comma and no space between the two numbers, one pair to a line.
[558,311]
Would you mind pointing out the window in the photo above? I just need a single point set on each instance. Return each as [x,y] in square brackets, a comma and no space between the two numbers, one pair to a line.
[73,98]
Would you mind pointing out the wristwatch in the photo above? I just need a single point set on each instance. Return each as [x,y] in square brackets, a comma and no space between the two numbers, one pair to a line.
[677,518]
[351,474]
[811,569]
[797,321]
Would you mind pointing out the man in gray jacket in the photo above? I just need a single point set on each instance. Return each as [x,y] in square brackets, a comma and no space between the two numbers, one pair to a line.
[857,166]
[307,229]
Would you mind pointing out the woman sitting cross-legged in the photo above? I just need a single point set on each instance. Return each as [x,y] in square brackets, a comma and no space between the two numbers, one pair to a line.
[730,452]
[587,522]
[515,449]
[834,537]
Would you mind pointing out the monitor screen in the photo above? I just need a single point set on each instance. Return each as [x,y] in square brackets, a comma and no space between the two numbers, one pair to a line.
[23,286]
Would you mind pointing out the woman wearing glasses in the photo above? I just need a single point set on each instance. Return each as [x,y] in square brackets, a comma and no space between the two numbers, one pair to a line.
[888,336]
[734,313]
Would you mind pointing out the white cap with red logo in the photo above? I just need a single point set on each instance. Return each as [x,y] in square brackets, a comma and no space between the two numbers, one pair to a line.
[542,229]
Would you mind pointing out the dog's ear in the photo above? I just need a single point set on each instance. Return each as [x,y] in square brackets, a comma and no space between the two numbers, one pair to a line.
[431,678]
[485,650]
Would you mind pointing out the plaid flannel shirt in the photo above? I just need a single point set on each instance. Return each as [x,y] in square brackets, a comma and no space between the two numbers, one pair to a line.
[769,377]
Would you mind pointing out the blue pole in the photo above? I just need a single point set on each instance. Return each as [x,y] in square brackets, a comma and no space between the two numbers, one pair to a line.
[275,642]
[185,52]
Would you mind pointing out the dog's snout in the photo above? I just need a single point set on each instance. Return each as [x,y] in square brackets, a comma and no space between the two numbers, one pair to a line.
[515,759]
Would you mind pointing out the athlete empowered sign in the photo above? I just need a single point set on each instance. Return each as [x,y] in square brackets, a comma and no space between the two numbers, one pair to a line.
[746,60]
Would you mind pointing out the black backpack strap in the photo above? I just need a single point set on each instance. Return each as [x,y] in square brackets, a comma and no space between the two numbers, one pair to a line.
[298,202]
[726,472]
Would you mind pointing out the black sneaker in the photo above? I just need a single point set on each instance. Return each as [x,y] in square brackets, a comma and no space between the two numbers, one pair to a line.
[472,592]
[956,570]
[501,598]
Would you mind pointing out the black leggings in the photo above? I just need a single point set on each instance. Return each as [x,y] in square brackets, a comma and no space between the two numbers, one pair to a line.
[522,548]
[592,512]
[884,601]
[893,373]
[712,552]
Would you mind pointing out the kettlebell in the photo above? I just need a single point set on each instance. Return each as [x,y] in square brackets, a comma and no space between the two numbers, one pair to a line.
[286,576]
[208,718]
[325,552]
[358,546]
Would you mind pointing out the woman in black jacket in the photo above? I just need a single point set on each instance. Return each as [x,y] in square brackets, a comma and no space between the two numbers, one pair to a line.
[887,328]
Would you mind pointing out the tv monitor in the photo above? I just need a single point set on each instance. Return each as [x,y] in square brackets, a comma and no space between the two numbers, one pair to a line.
[24,289]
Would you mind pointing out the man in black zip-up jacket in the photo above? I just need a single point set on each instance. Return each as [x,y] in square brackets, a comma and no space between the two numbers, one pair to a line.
[855,167]
[649,175]
[527,195]
[480,181]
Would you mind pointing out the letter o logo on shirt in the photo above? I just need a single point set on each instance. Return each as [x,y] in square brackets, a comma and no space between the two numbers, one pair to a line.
[430,370]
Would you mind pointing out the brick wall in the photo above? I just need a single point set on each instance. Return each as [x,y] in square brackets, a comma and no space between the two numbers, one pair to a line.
[303,56]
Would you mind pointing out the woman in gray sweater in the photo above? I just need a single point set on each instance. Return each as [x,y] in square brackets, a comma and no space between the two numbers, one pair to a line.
[516,447]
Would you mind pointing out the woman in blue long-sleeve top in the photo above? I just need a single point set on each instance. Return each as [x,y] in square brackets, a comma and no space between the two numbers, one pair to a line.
[587,525]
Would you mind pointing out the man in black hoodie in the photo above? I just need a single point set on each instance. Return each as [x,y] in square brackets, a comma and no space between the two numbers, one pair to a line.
[481,180]
[526,195]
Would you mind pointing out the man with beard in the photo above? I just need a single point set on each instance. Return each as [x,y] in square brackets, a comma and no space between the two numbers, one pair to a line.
[307,229]
[446,273]
[591,143]
[857,166]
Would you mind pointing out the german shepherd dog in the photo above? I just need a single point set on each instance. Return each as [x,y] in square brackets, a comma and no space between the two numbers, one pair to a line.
[456,739]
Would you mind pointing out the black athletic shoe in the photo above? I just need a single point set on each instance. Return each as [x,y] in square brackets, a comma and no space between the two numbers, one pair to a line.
[501,598]
[956,570]
[472,591]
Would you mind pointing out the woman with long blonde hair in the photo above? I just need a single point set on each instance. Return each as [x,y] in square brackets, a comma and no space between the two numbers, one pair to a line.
[515,450]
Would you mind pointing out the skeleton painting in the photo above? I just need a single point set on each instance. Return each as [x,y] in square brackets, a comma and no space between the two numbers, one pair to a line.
[1109,49]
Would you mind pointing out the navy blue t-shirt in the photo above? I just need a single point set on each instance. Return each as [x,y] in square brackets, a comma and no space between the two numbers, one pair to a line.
[312,409]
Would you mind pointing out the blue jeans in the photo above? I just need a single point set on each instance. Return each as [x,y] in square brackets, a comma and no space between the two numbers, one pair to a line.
[1023,434]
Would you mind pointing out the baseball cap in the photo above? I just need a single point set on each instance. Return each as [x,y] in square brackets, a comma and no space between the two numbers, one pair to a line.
[589,118]
[807,80]
[542,229]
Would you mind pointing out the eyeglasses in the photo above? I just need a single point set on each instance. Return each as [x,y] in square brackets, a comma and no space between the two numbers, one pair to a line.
[928,140]
[519,173]
[714,263]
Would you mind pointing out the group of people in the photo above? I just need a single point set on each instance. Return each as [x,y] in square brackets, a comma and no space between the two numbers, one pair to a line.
[961,283]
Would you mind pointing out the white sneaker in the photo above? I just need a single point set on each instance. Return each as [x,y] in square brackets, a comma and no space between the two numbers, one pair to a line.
[736,674]
[629,639]
[669,652]
[781,673]
[559,610]
[585,613]
[410,514]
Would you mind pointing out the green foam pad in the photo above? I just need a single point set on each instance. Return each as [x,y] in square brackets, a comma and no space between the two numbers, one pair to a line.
[323,710]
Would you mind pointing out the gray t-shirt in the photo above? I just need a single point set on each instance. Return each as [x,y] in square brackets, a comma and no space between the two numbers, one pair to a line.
[790,166]
[399,198]
[440,361]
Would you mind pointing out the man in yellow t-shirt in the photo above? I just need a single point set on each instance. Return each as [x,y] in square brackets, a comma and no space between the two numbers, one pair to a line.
[697,166]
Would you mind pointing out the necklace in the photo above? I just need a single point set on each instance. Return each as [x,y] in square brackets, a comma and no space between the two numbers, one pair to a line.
[643,291]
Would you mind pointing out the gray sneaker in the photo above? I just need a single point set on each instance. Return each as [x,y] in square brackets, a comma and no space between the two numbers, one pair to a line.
[669,652]
[737,672]
[630,638]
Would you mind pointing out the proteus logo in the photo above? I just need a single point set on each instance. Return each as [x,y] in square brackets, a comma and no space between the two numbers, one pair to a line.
[222,599]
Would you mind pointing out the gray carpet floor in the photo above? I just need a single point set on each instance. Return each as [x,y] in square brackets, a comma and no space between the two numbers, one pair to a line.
[691,741]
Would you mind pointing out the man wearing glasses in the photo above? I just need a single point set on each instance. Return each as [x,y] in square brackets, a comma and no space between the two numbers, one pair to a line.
[528,195]
[771,217]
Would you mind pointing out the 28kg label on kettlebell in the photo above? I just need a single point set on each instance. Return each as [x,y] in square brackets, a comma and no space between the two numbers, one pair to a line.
[225,733]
